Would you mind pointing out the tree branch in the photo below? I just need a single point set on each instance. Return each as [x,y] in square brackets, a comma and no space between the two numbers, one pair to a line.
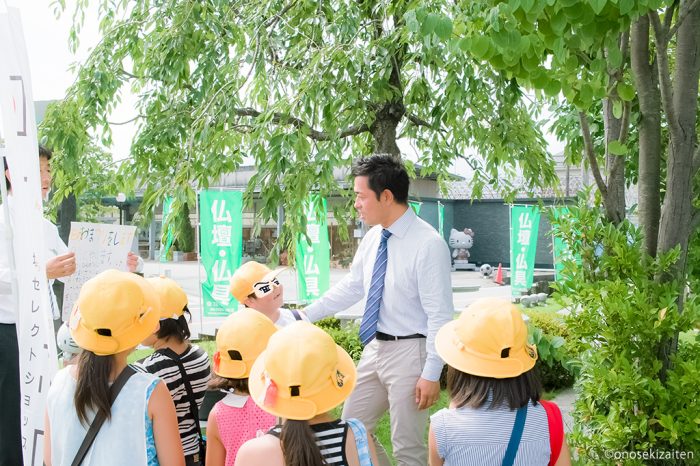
[665,84]
[681,17]
[120,123]
[418,121]
[285,119]
[624,122]
[590,153]
[668,15]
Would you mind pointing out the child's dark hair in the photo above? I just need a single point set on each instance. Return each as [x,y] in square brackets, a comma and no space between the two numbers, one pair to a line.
[224,383]
[299,446]
[474,391]
[175,328]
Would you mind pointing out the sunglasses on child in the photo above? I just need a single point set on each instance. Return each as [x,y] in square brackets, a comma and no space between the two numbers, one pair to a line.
[262,289]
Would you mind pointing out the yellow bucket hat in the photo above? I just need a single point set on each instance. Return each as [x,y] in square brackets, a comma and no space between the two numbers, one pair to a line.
[172,297]
[488,339]
[115,311]
[241,338]
[248,275]
[302,373]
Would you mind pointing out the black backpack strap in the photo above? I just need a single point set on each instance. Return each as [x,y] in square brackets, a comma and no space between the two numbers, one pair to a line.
[100,418]
[167,352]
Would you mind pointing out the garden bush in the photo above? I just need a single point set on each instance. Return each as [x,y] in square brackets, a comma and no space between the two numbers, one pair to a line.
[622,318]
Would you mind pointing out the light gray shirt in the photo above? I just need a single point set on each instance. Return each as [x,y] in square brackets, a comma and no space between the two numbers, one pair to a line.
[417,294]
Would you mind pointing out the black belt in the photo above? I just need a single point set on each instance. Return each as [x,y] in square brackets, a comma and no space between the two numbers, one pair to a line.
[386,337]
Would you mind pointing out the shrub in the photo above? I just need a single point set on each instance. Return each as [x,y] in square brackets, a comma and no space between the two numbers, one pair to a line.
[346,336]
[548,332]
[623,316]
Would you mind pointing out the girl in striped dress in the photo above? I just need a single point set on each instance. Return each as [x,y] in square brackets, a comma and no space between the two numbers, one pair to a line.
[183,366]
[300,377]
[495,417]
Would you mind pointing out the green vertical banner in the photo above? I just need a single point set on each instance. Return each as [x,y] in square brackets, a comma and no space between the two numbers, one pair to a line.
[165,246]
[441,219]
[415,205]
[524,225]
[314,259]
[560,249]
[221,233]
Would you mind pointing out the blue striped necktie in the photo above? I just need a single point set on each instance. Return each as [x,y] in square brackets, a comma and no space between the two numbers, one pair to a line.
[368,327]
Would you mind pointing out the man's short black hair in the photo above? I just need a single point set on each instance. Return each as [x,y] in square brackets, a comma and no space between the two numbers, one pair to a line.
[44,152]
[384,171]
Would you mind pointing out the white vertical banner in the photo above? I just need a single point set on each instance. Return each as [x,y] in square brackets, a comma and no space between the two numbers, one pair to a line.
[37,346]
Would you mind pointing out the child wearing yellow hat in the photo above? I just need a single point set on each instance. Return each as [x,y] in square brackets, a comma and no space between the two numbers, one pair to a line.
[114,312]
[256,286]
[300,377]
[495,414]
[182,365]
[236,418]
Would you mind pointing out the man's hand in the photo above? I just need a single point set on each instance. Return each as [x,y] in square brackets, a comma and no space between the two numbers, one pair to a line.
[427,393]
[61,266]
[132,262]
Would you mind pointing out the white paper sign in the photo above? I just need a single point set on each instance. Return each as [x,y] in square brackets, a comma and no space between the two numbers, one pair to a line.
[97,247]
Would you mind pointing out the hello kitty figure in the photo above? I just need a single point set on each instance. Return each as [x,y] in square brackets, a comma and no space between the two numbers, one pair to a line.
[460,242]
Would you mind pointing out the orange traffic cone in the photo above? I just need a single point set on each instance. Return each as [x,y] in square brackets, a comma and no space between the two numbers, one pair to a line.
[499,275]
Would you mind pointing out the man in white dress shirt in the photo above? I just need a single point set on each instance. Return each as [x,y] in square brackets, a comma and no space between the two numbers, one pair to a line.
[399,369]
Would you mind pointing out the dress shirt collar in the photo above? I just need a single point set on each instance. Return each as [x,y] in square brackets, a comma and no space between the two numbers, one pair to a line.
[402,224]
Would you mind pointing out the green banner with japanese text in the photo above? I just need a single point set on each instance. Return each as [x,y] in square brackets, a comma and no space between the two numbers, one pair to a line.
[441,219]
[221,233]
[524,226]
[313,254]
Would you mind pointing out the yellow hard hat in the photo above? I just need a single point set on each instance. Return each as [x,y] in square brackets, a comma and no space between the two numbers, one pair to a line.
[172,297]
[239,340]
[115,311]
[302,373]
[488,339]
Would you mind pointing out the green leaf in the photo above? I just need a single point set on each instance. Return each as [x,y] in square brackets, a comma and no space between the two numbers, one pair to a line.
[614,57]
[617,109]
[617,148]
[598,5]
[443,28]
[625,91]
[625,6]
[480,47]
[429,24]
[527,5]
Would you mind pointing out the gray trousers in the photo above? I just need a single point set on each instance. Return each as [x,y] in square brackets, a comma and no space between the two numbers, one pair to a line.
[386,380]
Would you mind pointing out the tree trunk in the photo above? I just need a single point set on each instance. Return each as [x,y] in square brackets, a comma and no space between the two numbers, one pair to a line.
[615,167]
[647,83]
[676,211]
[384,129]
